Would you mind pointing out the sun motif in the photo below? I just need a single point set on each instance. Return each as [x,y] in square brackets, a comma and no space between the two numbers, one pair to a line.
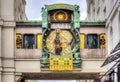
[60,15]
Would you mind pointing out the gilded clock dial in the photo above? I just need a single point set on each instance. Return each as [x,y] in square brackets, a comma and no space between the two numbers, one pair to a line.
[60,40]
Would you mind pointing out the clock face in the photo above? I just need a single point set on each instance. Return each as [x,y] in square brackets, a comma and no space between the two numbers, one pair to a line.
[59,42]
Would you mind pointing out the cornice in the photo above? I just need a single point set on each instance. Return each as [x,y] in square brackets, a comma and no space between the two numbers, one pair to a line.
[9,24]
[1,23]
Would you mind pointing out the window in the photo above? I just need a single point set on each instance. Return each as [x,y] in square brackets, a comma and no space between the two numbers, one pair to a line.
[29,41]
[39,41]
[82,41]
[18,40]
[111,77]
[119,73]
[92,41]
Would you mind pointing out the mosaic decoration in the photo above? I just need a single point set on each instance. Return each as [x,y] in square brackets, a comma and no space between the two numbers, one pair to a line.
[61,62]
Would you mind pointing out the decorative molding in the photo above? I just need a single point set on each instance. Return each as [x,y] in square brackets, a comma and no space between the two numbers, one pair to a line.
[1,68]
[9,24]
[8,69]
[1,22]
[18,74]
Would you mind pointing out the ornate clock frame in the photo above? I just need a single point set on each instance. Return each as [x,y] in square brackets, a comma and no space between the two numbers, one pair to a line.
[60,41]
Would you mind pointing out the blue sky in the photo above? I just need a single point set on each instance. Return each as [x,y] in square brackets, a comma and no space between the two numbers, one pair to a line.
[33,7]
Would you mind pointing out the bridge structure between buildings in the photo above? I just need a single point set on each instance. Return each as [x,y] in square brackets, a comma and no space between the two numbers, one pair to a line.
[25,53]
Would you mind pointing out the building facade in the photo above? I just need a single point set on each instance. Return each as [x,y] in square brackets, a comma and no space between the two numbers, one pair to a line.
[96,9]
[9,13]
[112,17]
[21,45]
[19,10]
[91,60]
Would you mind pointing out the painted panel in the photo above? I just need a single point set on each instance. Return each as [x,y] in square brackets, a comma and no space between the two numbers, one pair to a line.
[61,62]
[39,41]
[18,40]
[102,40]
[82,41]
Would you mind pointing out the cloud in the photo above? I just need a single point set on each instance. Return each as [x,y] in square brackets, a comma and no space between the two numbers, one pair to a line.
[83,16]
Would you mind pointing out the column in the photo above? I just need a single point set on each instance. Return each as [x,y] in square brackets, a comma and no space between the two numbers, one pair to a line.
[1,23]
[8,52]
[97,80]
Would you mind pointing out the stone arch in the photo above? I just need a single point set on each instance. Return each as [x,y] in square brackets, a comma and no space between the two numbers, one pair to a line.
[21,79]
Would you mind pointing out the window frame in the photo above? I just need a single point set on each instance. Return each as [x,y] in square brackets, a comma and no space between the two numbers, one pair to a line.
[87,41]
[34,43]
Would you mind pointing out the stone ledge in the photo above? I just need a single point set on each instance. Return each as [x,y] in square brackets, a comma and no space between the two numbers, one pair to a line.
[28,54]
[1,68]
[8,69]
[9,24]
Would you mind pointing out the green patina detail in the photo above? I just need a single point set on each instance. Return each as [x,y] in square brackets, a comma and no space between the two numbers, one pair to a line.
[76,17]
[44,18]
[45,63]
[64,56]
[96,21]
[60,6]
[40,21]
[31,21]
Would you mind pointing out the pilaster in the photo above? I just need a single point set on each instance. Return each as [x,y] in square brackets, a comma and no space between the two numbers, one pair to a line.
[7,9]
[97,80]
[8,51]
[8,77]
[1,24]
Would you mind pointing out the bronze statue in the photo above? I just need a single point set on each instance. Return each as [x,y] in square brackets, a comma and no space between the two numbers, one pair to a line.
[58,47]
